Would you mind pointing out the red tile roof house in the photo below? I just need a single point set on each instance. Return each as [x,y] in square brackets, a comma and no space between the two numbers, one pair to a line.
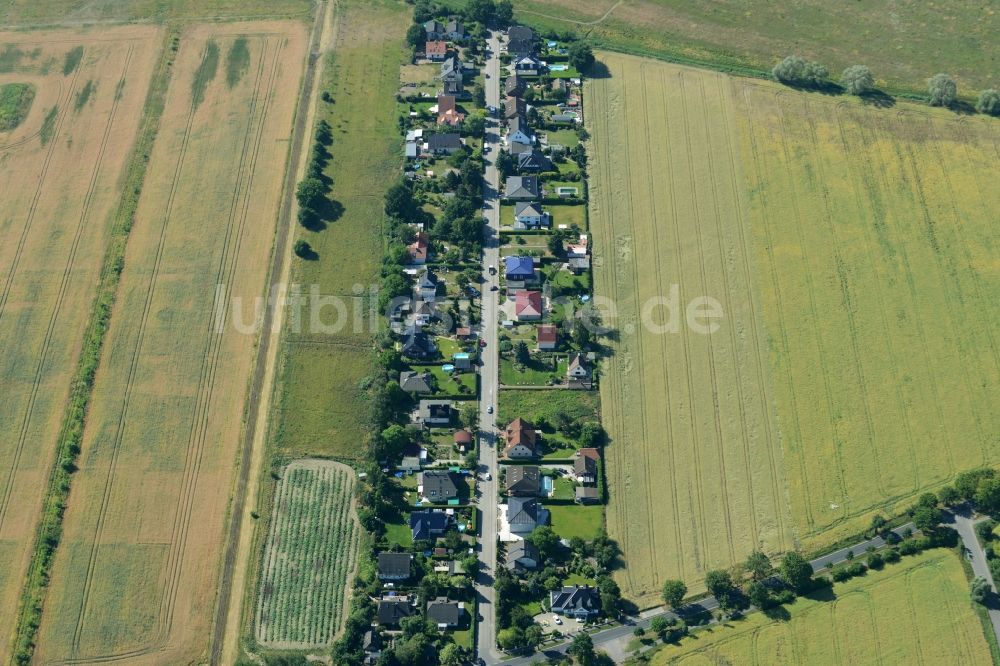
[521,440]
[463,441]
[528,305]
[418,249]
[436,50]
[548,336]
[448,113]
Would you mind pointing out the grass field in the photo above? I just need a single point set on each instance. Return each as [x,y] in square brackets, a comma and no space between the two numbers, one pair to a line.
[310,551]
[855,366]
[904,44]
[572,520]
[362,77]
[135,574]
[56,215]
[530,405]
[914,612]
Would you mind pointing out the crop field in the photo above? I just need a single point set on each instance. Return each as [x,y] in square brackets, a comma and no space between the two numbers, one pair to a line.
[904,44]
[914,612]
[59,172]
[134,576]
[322,408]
[48,11]
[851,251]
[694,466]
[310,552]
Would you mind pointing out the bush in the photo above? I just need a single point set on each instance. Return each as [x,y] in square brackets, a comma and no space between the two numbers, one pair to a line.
[875,561]
[303,249]
[891,555]
[797,71]
[984,530]
[989,102]
[942,90]
[858,80]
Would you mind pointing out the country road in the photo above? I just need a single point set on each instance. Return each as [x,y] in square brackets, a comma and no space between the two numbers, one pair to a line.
[614,640]
[964,523]
[489,378]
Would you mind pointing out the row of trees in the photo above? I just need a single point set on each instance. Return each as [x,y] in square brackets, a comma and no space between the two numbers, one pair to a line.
[859,80]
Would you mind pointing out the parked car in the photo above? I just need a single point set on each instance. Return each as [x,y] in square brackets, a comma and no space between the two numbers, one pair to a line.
[489,410]
[556,619]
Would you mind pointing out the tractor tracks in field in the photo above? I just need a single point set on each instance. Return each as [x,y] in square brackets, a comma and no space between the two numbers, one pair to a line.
[67,273]
[206,381]
[33,206]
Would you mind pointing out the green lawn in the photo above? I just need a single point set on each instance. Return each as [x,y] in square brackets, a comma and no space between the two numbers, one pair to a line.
[452,384]
[540,371]
[532,404]
[569,215]
[399,534]
[564,489]
[571,520]
[564,137]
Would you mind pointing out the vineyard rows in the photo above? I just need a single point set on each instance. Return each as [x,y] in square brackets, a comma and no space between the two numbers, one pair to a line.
[310,551]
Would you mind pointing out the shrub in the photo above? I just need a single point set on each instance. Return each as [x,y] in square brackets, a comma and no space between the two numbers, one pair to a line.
[942,90]
[989,102]
[891,555]
[303,249]
[797,71]
[858,80]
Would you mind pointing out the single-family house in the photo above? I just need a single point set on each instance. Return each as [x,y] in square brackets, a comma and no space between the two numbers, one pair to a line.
[587,495]
[523,188]
[446,614]
[582,601]
[434,29]
[427,286]
[529,215]
[418,249]
[411,150]
[528,305]
[455,30]
[393,609]
[516,149]
[548,336]
[371,644]
[410,464]
[521,440]
[585,465]
[416,382]
[434,412]
[394,566]
[533,161]
[463,332]
[448,113]
[423,312]
[417,344]
[463,441]
[514,107]
[462,360]
[443,144]
[523,480]
[522,556]
[520,40]
[513,86]
[437,486]
[451,76]
[518,131]
[563,118]
[528,65]
[519,271]
[579,248]
[524,514]
[578,372]
[428,524]
[436,50]
[578,265]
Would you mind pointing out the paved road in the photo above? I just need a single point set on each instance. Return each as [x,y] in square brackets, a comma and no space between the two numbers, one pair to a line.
[963,523]
[489,380]
[614,640]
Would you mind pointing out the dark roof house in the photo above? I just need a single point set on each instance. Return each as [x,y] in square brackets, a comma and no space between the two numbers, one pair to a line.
[394,566]
[534,160]
[523,480]
[521,187]
[520,40]
[522,555]
[392,610]
[446,614]
[438,486]
[427,524]
[417,344]
[524,514]
[415,382]
[447,142]
[576,601]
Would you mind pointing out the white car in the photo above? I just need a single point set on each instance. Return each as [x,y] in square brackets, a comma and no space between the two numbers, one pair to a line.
[556,619]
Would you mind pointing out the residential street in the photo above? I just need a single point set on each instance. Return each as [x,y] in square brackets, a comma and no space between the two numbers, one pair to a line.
[489,379]
[964,524]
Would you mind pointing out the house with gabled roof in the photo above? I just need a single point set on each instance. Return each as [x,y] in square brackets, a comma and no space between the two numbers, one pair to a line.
[533,161]
[393,609]
[427,285]
[513,86]
[585,465]
[530,215]
[437,486]
[417,344]
[528,305]
[419,249]
[394,566]
[434,412]
[455,30]
[451,75]
[446,614]
[416,382]
[514,107]
[519,271]
[548,336]
[436,50]
[521,440]
[448,113]
[524,514]
[522,556]
[434,29]
[428,524]
[518,131]
[582,602]
[578,372]
[446,143]
[520,40]
[528,65]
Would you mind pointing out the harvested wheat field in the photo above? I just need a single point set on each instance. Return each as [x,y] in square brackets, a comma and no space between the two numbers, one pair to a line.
[135,574]
[852,253]
[61,166]
[915,612]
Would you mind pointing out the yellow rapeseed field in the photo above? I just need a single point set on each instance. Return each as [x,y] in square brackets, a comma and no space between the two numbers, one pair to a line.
[852,251]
